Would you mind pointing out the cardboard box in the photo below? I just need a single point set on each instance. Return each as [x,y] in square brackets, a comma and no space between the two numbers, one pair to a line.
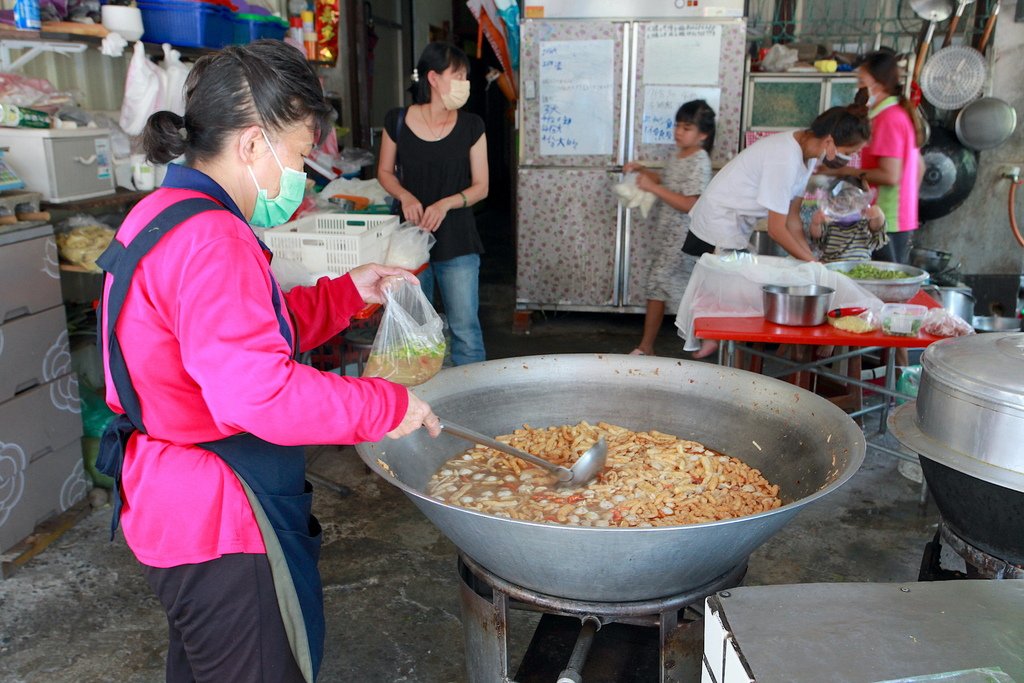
[33,350]
[29,271]
[39,431]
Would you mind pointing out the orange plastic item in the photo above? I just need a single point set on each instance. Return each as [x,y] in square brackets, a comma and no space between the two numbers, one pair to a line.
[359,203]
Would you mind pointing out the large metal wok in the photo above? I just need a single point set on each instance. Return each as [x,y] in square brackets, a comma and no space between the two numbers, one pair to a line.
[801,442]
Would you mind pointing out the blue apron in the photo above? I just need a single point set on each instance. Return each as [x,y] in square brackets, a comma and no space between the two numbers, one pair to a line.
[272,476]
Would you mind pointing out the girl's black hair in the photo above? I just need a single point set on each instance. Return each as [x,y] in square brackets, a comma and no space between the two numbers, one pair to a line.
[266,83]
[700,114]
[884,67]
[847,125]
[436,57]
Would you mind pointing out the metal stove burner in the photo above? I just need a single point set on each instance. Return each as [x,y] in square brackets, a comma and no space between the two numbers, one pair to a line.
[655,631]
[980,565]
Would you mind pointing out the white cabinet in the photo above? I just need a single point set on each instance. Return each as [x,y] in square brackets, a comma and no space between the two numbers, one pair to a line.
[41,468]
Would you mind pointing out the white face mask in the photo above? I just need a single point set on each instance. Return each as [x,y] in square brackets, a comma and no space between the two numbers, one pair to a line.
[457,95]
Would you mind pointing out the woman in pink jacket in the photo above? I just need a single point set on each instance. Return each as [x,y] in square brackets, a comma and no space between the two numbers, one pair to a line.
[200,348]
[891,161]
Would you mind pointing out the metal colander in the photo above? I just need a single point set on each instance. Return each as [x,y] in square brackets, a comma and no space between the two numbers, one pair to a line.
[953,77]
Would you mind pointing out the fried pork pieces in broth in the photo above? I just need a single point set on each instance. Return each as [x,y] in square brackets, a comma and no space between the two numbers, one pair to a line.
[651,479]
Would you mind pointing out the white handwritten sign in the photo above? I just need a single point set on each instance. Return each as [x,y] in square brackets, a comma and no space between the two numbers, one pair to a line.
[577,106]
[661,103]
[682,54]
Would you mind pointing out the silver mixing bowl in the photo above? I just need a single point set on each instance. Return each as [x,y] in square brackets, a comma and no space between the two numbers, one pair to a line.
[897,290]
[800,441]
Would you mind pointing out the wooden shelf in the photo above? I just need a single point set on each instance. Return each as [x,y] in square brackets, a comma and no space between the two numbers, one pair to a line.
[119,197]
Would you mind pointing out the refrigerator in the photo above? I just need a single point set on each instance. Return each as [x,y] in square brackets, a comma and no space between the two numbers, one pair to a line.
[598,89]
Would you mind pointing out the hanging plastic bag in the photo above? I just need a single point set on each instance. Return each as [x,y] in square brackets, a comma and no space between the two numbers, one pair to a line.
[409,247]
[144,89]
[409,346]
[175,71]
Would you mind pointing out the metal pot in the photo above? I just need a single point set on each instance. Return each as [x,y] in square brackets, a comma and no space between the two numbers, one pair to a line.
[969,419]
[796,305]
[985,123]
[931,260]
[950,172]
[800,441]
[995,323]
[956,300]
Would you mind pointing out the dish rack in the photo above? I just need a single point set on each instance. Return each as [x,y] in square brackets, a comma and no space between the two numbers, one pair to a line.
[333,242]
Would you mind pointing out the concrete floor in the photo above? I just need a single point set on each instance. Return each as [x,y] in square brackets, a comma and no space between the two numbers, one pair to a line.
[80,611]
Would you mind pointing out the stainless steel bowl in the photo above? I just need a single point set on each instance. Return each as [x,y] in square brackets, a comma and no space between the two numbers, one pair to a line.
[995,323]
[797,305]
[896,290]
[800,441]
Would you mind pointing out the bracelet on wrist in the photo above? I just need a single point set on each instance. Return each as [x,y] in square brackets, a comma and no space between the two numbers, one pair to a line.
[465,202]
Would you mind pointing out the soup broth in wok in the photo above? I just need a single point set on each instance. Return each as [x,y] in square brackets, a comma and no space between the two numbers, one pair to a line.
[651,479]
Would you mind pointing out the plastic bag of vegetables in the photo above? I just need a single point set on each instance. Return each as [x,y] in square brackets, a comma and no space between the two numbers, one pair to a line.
[409,346]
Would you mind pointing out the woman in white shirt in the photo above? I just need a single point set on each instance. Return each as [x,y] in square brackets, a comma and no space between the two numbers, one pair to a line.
[768,179]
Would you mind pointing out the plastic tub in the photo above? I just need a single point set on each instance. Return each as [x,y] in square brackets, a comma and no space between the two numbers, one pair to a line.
[799,306]
[251,26]
[902,320]
[186,23]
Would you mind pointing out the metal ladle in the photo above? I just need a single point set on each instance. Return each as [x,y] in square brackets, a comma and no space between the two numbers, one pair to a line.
[582,471]
[932,11]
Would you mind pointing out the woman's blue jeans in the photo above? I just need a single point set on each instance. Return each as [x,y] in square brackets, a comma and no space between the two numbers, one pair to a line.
[459,282]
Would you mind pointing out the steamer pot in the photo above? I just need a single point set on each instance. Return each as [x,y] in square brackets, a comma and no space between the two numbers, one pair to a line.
[800,441]
[967,425]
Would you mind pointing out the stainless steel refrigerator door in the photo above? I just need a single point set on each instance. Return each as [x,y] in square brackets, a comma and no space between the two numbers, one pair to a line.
[568,242]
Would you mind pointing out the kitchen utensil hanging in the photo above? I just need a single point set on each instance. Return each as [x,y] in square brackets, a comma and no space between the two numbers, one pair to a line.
[949,176]
[954,76]
[955,21]
[990,25]
[985,123]
[932,11]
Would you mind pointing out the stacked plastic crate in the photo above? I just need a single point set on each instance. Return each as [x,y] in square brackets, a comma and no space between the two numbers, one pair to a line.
[188,23]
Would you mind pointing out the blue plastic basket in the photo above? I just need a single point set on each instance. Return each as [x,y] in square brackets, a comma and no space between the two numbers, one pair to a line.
[250,27]
[187,23]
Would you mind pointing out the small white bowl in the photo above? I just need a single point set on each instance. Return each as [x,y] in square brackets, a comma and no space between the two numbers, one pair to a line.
[126,21]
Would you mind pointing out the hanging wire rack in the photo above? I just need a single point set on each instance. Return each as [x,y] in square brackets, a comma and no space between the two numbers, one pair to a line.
[855,26]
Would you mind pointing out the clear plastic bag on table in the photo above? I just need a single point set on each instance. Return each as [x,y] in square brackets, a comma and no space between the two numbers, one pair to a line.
[860,322]
[942,323]
[409,347]
[409,247]
[731,287]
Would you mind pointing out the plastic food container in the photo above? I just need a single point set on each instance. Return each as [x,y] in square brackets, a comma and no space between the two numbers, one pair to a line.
[799,306]
[902,320]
